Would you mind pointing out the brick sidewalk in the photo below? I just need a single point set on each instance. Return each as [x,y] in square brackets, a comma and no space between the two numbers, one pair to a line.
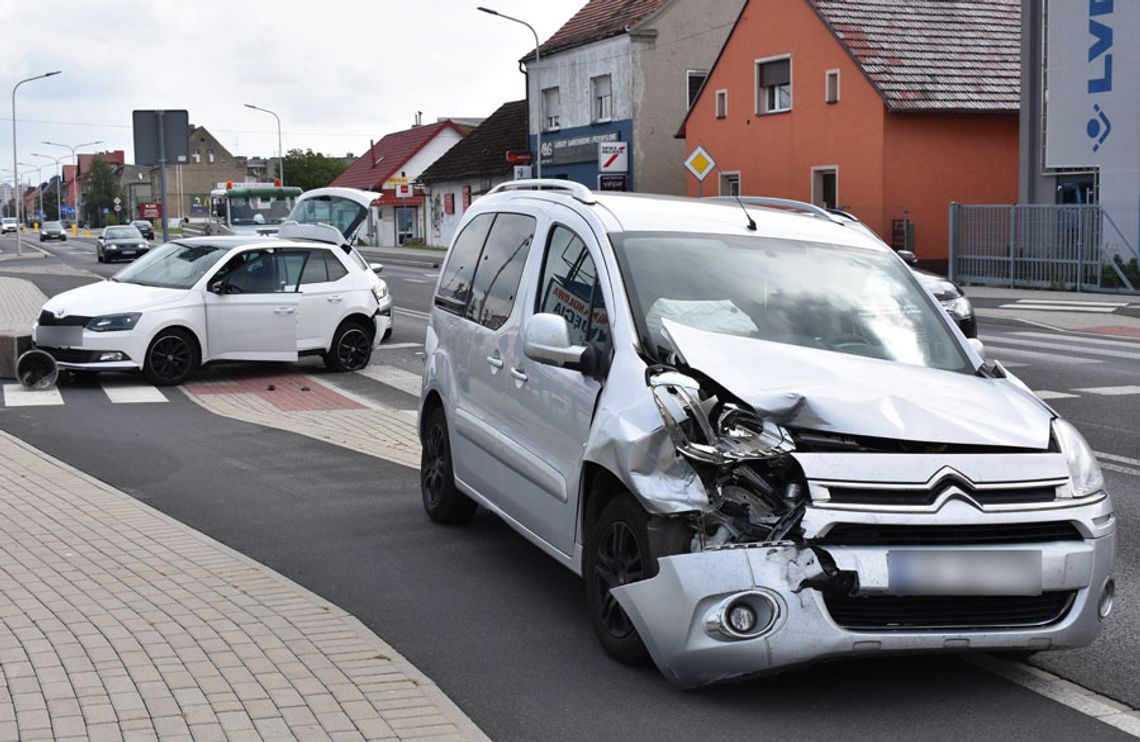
[20,303]
[117,622]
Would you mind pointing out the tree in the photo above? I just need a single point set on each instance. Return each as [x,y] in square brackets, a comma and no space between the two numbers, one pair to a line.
[308,170]
[50,204]
[100,187]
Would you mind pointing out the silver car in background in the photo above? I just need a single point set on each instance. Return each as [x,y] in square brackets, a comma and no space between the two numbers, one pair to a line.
[754,434]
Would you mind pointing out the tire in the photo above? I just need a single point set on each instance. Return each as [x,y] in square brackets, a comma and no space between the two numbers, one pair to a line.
[170,358]
[618,552]
[351,348]
[443,502]
[99,256]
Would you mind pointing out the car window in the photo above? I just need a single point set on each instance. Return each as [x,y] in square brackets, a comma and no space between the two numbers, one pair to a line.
[290,266]
[335,268]
[570,288]
[455,284]
[250,272]
[499,269]
[315,271]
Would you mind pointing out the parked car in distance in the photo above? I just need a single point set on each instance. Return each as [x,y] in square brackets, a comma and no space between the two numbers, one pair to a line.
[116,243]
[52,231]
[203,299]
[755,435]
[8,224]
[949,294]
[145,228]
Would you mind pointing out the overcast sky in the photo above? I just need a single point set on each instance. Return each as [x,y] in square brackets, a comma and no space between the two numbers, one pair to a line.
[338,72]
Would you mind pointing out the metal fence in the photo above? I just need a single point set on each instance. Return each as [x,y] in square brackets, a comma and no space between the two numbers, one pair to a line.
[1072,247]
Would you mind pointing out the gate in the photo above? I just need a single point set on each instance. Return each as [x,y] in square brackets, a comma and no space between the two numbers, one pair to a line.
[1073,247]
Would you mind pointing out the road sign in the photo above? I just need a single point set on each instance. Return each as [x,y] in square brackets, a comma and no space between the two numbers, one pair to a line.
[519,158]
[522,172]
[613,182]
[613,157]
[116,200]
[118,208]
[404,191]
[700,163]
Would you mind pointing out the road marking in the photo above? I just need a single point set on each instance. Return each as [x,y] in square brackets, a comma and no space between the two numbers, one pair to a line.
[1054,308]
[1043,394]
[412,313]
[16,395]
[1032,356]
[414,280]
[397,346]
[395,377]
[129,392]
[1111,391]
[1080,339]
[1115,457]
[1000,340]
[1076,303]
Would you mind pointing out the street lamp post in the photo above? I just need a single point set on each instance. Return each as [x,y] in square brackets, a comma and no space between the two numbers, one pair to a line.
[537,61]
[39,185]
[73,148]
[280,151]
[58,178]
[15,155]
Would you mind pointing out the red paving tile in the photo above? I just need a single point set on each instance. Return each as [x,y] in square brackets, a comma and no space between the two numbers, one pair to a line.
[1124,330]
[289,393]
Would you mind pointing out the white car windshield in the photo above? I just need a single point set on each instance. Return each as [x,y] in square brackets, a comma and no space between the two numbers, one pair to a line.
[841,299]
[172,266]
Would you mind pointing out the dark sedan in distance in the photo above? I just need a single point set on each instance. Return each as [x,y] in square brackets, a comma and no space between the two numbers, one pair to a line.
[117,243]
[52,231]
[144,227]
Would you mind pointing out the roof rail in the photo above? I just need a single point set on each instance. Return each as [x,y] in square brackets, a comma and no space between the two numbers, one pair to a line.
[316,232]
[577,190]
[779,203]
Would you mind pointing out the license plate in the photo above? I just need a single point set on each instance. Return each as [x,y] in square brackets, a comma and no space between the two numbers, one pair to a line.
[59,336]
[980,572]
[128,252]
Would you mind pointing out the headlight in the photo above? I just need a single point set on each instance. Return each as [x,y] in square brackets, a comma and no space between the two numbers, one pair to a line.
[142,244]
[114,322]
[380,292]
[1083,468]
[959,308]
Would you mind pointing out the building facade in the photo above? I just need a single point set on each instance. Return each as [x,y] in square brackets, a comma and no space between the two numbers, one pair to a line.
[188,185]
[623,71]
[800,104]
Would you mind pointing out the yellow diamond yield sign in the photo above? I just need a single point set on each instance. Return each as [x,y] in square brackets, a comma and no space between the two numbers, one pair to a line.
[700,163]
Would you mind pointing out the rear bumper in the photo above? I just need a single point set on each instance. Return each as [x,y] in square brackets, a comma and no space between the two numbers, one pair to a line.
[680,613]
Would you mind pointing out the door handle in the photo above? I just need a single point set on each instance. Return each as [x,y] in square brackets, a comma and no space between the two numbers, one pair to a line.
[285,310]
[495,362]
[519,374]
[335,298]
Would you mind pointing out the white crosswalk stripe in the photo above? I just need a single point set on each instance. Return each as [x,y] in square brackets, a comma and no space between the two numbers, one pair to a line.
[1059,344]
[120,392]
[117,391]
[16,395]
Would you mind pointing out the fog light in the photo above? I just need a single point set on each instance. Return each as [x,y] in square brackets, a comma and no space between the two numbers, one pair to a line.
[742,618]
[112,356]
[1107,596]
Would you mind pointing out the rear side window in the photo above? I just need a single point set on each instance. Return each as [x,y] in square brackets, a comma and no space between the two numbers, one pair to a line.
[335,268]
[500,268]
[314,269]
[290,266]
[455,285]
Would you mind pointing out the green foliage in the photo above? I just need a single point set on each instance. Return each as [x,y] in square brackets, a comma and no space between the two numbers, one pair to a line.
[100,187]
[307,169]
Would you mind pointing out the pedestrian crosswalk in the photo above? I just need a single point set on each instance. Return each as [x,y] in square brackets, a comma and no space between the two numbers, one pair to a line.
[1060,305]
[1031,347]
[113,390]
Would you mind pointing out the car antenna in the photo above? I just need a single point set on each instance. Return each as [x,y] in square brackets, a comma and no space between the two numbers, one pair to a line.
[751,221]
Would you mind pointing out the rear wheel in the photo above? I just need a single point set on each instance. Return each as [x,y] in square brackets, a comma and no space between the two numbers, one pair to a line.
[443,502]
[171,358]
[351,348]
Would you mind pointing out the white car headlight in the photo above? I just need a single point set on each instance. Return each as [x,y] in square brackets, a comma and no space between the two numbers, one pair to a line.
[959,308]
[114,322]
[1083,467]
[380,292]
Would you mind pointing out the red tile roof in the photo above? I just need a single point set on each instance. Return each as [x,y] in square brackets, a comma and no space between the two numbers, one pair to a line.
[599,19]
[389,155]
[484,152]
[933,55]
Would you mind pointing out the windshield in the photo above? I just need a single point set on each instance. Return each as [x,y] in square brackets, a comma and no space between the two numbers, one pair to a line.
[172,266]
[256,210]
[52,225]
[342,213]
[122,233]
[841,299]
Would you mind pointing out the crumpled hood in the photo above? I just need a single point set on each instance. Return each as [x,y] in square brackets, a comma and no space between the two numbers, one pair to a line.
[109,297]
[860,396]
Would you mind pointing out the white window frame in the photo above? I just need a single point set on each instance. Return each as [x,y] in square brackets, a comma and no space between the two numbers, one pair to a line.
[595,100]
[819,169]
[728,175]
[689,75]
[722,103]
[761,109]
[551,121]
[827,84]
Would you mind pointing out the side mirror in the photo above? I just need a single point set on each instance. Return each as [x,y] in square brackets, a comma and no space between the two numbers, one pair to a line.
[217,287]
[977,346]
[908,257]
[376,267]
[547,340]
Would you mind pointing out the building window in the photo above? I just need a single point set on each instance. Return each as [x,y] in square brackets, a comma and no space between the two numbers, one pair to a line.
[729,184]
[694,79]
[197,155]
[774,81]
[721,104]
[825,186]
[551,107]
[601,91]
[210,156]
[831,86]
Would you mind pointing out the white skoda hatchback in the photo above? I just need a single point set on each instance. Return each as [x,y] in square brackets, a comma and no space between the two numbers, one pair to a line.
[206,299]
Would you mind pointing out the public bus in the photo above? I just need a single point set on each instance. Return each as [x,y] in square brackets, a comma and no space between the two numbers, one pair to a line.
[250,208]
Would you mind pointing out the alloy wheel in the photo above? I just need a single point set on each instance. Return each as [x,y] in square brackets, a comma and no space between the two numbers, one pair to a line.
[435,465]
[352,351]
[619,562]
[171,358]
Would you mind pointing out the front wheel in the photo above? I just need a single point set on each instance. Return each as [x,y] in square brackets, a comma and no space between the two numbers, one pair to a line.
[351,348]
[171,358]
[443,502]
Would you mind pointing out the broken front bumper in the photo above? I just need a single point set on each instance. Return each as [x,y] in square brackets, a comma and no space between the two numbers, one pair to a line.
[682,613]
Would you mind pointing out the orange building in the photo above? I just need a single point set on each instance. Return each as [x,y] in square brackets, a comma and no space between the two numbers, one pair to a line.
[888,109]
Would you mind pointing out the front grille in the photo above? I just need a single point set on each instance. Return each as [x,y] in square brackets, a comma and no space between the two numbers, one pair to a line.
[870,534]
[894,613]
[71,355]
[47,319]
[928,496]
